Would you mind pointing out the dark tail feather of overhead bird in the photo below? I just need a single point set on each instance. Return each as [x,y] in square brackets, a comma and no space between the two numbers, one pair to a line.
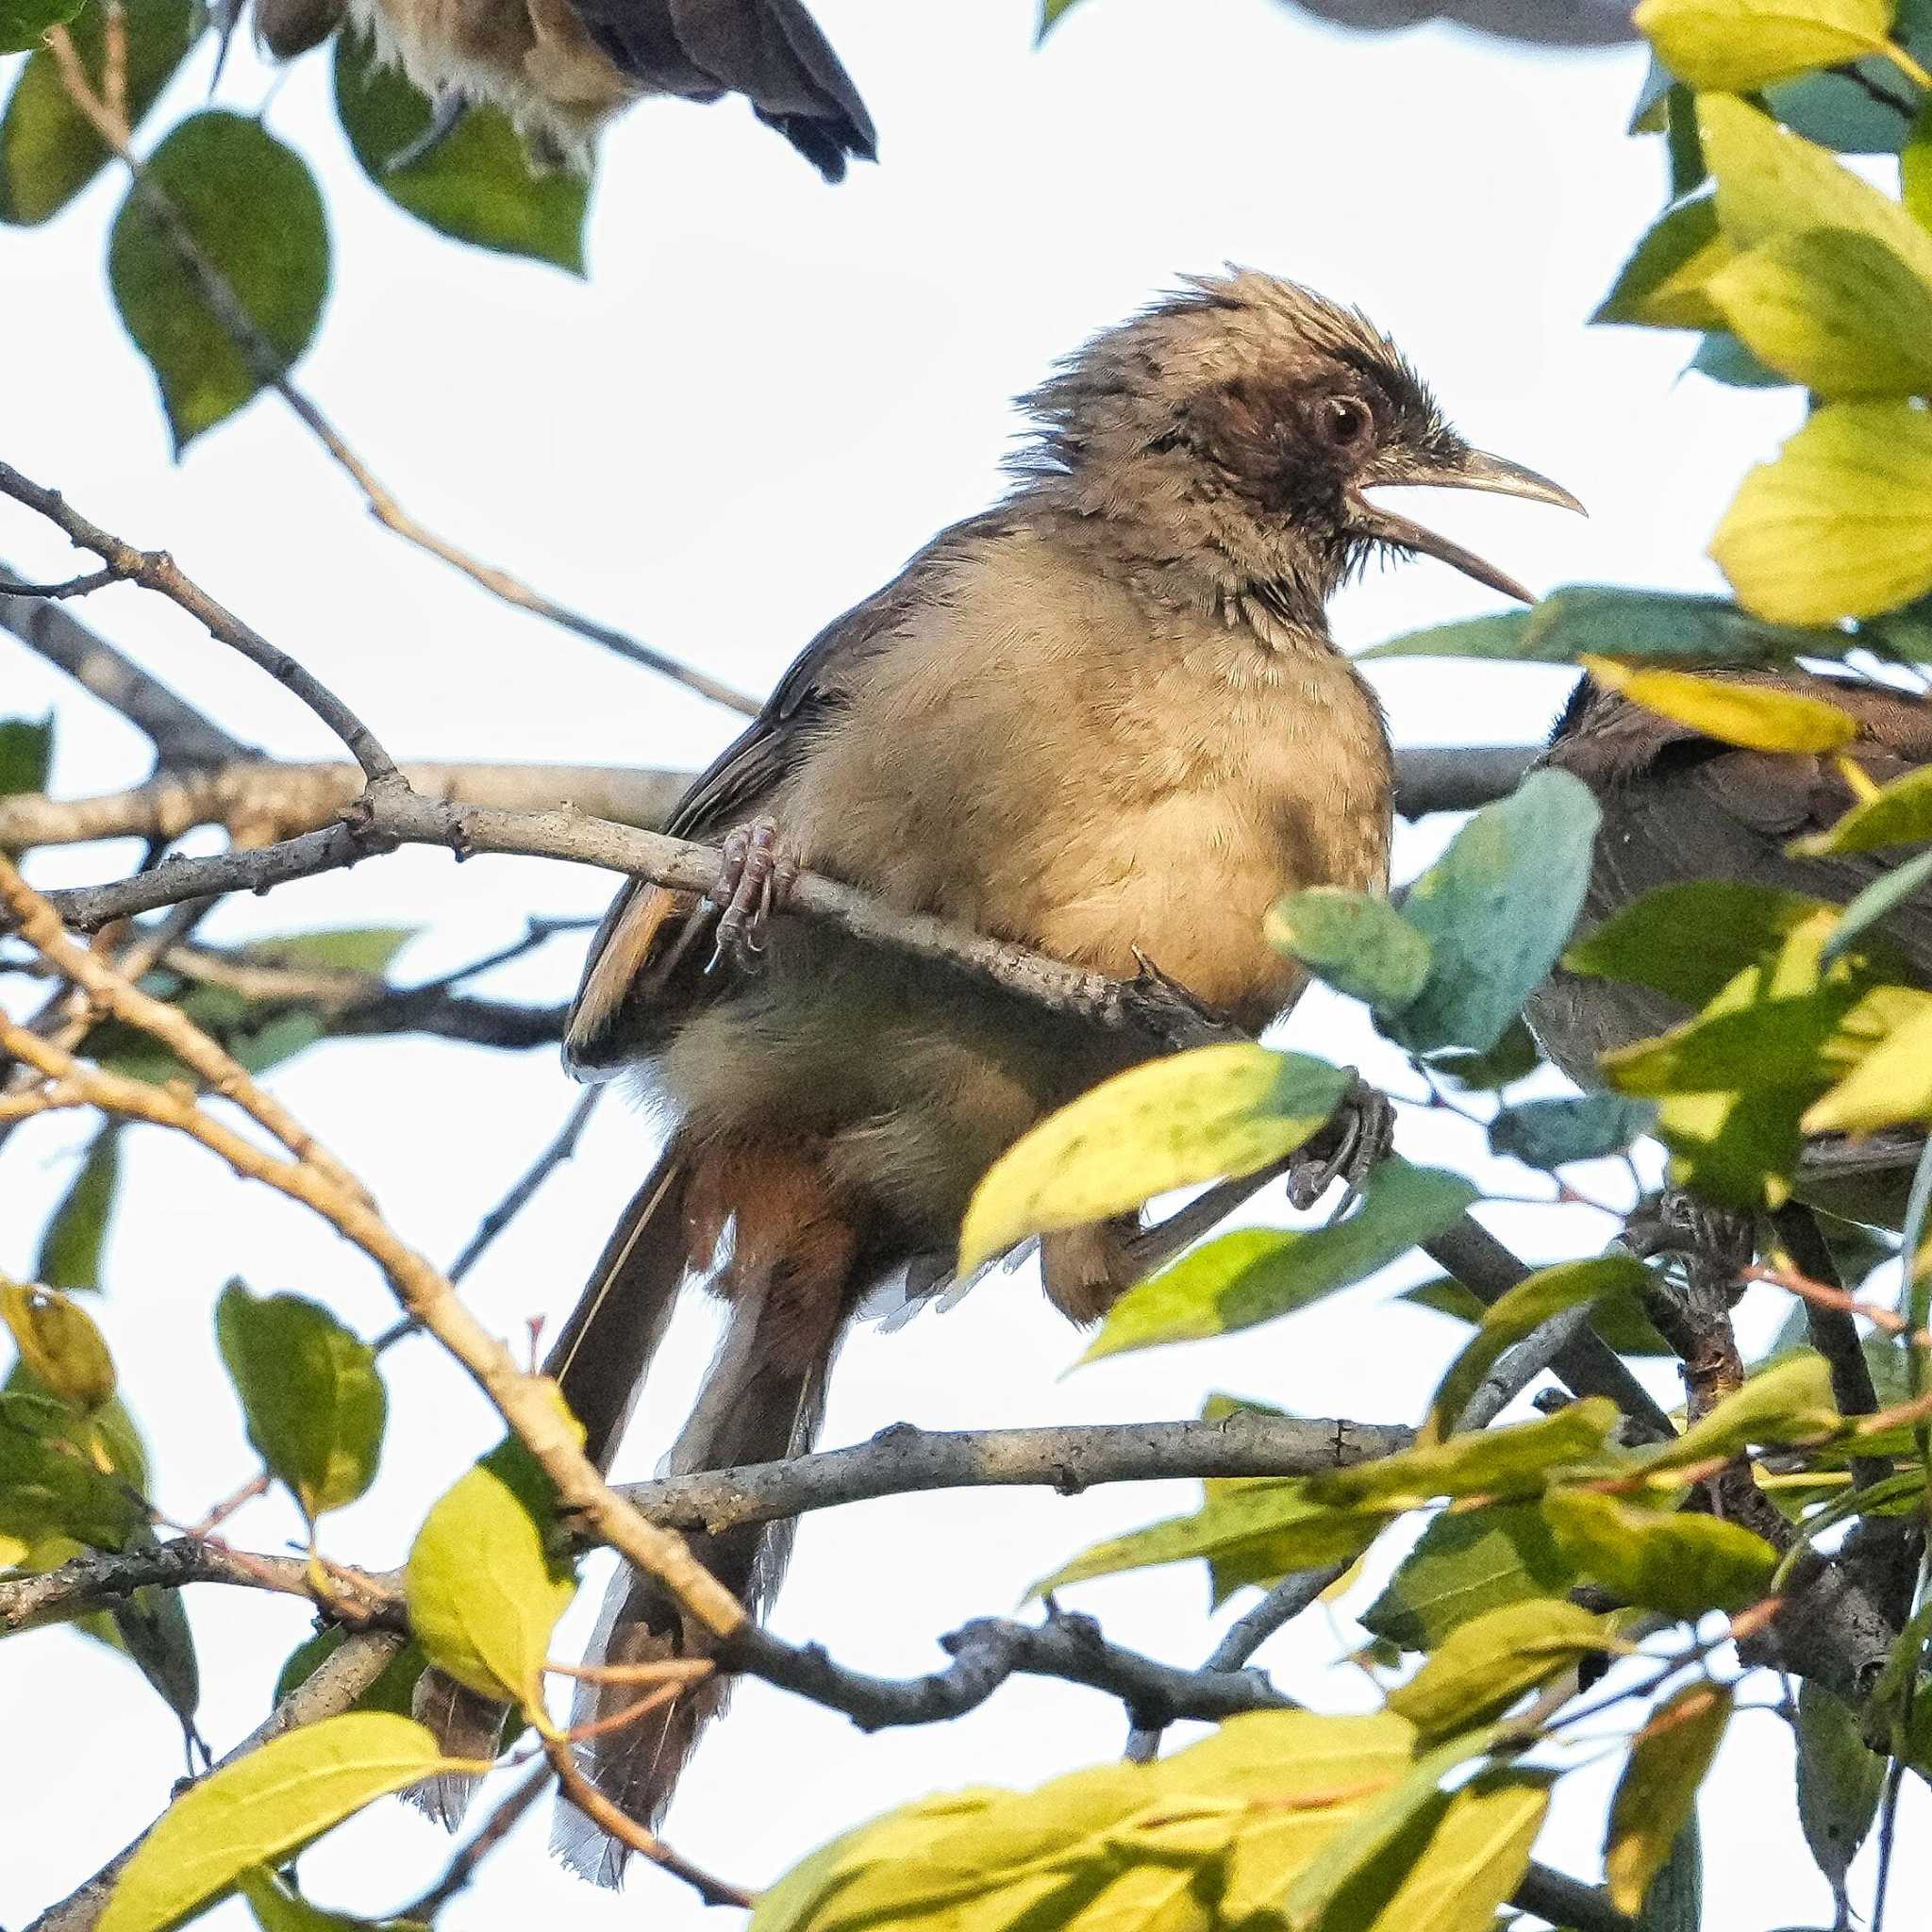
[762,1401]
[599,1360]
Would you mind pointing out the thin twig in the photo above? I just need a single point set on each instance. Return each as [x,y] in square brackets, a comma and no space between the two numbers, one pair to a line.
[493,1830]
[155,570]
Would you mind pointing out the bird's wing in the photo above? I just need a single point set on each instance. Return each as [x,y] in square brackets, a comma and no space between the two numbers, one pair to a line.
[608,1022]
[771,51]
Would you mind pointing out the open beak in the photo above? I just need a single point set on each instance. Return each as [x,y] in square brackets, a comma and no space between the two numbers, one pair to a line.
[1475,470]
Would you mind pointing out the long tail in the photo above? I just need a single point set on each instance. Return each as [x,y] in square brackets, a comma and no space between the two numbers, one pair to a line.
[600,1358]
[789,1280]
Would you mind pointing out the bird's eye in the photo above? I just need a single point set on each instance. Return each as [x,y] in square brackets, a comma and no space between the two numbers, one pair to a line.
[1344,420]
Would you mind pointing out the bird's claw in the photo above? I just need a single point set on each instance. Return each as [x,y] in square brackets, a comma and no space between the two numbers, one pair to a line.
[1359,1135]
[755,878]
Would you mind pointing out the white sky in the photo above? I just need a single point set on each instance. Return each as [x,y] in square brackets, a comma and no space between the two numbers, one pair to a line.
[767,394]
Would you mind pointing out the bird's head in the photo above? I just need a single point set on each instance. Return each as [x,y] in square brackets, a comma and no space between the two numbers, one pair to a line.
[1248,417]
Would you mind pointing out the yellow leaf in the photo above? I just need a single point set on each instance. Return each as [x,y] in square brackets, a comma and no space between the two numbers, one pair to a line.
[1834,309]
[1658,1789]
[1759,717]
[58,1342]
[1666,283]
[1740,45]
[1892,1084]
[1840,525]
[1200,1116]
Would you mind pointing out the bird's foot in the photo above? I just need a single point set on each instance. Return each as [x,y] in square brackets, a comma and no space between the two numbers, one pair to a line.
[756,873]
[1359,1135]
[1715,1244]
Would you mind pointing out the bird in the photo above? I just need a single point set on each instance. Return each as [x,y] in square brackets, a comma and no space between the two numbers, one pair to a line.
[1105,719]
[561,69]
[1678,806]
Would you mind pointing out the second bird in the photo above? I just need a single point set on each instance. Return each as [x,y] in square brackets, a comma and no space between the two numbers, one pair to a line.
[1105,719]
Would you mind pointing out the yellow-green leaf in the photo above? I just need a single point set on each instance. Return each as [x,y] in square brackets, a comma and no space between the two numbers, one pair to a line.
[1486,1665]
[1840,1779]
[1658,1789]
[1255,1274]
[1789,1402]
[1665,284]
[1771,182]
[261,1807]
[1200,1116]
[1680,1564]
[60,1344]
[1899,814]
[1761,717]
[487,1578]
[1265,1528]
[1741,46]
[1840,524]
[1468,1563]
[1495,1462]
[1834,309]
[278,1908]
[77,1232]
[1359,943]
[1892,1085]
[314,1402]
[1523,1310]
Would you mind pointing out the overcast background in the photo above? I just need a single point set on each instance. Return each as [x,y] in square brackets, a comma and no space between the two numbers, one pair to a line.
[766,394]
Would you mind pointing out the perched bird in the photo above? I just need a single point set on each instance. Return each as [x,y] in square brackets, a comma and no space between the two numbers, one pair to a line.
[560,69]
[1105,719]
[1679,806]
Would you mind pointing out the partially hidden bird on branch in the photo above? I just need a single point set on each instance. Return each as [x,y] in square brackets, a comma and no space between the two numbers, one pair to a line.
[561,69]
[1105,719]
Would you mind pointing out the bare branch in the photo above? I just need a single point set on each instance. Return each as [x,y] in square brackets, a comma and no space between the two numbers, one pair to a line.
[257,801]
[155,570]
[1457,778]
[1071,1459]
[180,735]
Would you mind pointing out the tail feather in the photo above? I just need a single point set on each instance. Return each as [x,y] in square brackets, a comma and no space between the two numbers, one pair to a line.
[599,1359]
[763,1399]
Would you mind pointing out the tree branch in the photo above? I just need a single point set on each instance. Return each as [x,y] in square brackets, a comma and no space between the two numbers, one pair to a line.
[179,734]
[155,570]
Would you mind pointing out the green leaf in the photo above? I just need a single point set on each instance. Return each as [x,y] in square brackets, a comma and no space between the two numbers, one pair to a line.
[1789,1402]
[477,184]
[1549,1134]
[1657,1792]
[260,1809]
[1496,909]
[1665,283]
[1840,525]
[1891,1086]
[1505,1463]
[278,1908]
[1770,183]
[1549,1292]
[1680,1564]
[24,24]
[1737,925]
[1468,1563]
[367,949]
[1621,624]
[255,210]
[152,1626]
[1249,1532]
[1675,1901]
[71,1244]
[1051,14]
[1833,309]
[1487,1664]
[1899,813]
[48,151]
[1740,45]
[1199,1116]
[62,1349]
[1620,1318]
[58,1476]
[1257,1274]
[1356,942]
[315,1403]
[487,1578]
[1840,1781]
[1759,717]
[26,754]
[1513,1058]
